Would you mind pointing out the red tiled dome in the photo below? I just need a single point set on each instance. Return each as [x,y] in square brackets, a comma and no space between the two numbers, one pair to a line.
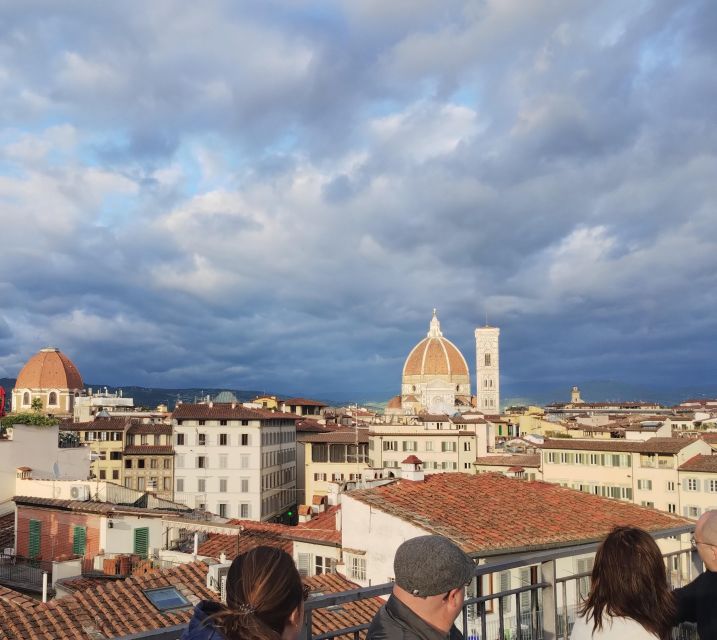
[49,369]
[435,356]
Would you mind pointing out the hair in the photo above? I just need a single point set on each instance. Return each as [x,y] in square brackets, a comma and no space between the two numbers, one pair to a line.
[263,589]
[629,580]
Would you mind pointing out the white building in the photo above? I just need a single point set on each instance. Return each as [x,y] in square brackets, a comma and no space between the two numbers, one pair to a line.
[233,461]
[488,369]
[37,448]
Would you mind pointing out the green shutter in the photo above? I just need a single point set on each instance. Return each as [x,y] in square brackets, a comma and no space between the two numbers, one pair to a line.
[79,541]
[141,541]
[34,546]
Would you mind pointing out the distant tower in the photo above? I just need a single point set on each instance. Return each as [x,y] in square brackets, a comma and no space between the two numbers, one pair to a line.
[488,369]
[575,396]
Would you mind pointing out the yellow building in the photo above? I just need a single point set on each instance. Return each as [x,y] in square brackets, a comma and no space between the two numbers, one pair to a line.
[148,460]
[106,438]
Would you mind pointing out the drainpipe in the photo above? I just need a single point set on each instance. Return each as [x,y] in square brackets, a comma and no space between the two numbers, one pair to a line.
[196,545]
[44,586]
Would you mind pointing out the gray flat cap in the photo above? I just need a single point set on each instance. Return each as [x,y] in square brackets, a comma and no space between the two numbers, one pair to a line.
[429,565]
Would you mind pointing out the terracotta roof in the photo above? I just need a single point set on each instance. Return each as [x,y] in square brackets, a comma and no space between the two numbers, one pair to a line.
[235,544]
[225,412]
[491,513]
[160,428]
[119,608]
[412,460]
[394,403]
[652,445]
[49,369]
[347,436]
[321,528]
[521,460]
[99,424]
[700,463]
[349,614]
[149,449]
[304,402]
[307,425]
[434,417]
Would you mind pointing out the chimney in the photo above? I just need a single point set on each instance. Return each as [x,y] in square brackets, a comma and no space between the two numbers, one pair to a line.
[318,504]
[412,469]
[304,513]
[24,473]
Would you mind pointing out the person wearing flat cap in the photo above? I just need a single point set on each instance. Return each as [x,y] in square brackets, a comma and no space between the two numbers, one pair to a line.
[431,575]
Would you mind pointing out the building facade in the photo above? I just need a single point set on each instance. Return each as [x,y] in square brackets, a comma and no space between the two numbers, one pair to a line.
[235,462]
[488,369]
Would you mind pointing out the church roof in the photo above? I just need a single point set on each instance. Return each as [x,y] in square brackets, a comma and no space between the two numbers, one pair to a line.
[225,397]
[49,369]
[435,355]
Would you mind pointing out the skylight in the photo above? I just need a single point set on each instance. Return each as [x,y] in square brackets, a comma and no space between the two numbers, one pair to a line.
[166,598]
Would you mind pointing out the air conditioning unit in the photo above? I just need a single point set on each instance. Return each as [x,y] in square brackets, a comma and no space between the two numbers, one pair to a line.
[80,492]
[215,574]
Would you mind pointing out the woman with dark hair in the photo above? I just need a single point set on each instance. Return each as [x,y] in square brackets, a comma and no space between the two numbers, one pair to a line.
[264,601]
[629,596]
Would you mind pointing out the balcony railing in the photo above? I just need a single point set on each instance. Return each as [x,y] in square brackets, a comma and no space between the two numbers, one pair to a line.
[544,610]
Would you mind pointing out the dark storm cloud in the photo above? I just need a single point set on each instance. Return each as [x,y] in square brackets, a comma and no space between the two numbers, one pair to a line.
[262,196]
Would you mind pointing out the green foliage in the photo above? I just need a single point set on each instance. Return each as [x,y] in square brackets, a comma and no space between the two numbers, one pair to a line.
[34,419]
[36,405]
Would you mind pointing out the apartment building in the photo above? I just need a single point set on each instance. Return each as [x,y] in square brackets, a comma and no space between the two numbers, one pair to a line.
[649,473]
[148,463]
[523,466]
[105,437]
[234,461]
[323,458]
[442,442]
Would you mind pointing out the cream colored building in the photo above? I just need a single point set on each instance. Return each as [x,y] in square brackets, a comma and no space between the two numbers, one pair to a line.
[647,472]
[441,442]
[520,466]
[51,377]
[325,458]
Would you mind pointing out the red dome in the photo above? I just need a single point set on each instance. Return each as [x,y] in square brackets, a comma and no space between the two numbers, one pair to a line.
[49,369]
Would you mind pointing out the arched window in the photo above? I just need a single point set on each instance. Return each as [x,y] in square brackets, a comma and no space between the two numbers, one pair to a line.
[52,398]
[26,399]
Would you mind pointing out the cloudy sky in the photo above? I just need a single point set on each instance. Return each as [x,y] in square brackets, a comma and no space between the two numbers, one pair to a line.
[274,195]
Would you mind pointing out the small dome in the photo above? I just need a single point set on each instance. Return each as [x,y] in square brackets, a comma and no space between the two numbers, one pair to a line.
[435,355]
[225,397]
[49,369]
[394,403]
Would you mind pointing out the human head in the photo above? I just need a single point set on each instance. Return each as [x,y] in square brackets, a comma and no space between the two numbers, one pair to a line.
[706,539]
[629,580]
[264,597]
[431,574]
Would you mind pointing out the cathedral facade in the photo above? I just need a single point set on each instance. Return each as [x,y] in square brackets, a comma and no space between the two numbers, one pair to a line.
[436,377]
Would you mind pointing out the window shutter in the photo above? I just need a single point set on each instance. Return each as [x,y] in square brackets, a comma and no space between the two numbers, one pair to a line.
[141,541]
[79,541]
[684,484]
[685,511]
[304,564]
[525,596]
[34,542]
[505,586]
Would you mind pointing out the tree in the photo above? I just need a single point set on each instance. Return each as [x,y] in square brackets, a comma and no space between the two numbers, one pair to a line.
[36,405]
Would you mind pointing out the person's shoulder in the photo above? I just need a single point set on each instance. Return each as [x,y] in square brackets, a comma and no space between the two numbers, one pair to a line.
[200,626]
[612,628]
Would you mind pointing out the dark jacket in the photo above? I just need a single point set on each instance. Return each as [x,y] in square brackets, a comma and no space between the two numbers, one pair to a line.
[199,627]
[395,621]
[696,603]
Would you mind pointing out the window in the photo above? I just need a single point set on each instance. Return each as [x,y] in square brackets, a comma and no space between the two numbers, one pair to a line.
[448,446]
[222,485]
[647,503]
[52,399]
[244,485]
[201,462]
[140,463]
[645,485]
[672,508]
[222,439]
[504,581]
[467,446]
[693,512]
[319,452]
[584,565]
[115,455]
[180,485]
[202,485]
[79,541]
[179,461]
[670,486]
[486,360]
[244,461]
[691,484]
[166,598]
[202,423]
[711,486]
[390,445]
[357,567]
[244,439]
[429,445]
[26,399]
[115,474]
[140,483]
[141,541]
[167,463]
[103,474]
[223,458]
[34,539]
[153,463]
[222,509]
[223,423]
[245,510]
[180,439]
[128,464]
[201,439]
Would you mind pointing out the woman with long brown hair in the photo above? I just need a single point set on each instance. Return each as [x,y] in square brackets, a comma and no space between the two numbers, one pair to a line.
[264,601]
[629,596]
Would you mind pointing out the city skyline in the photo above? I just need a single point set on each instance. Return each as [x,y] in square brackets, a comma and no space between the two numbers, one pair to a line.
[255,197]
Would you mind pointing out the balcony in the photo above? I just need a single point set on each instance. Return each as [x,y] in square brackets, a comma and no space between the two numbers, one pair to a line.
[543,610]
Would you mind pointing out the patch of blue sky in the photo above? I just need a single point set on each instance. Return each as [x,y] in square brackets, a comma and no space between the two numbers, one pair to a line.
[116,210]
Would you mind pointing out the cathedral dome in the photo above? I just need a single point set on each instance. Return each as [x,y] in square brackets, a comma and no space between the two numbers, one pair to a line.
[49,369]
[435,355]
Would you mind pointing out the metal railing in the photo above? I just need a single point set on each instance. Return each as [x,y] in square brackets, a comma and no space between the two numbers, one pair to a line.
[542,610]
[24,573]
